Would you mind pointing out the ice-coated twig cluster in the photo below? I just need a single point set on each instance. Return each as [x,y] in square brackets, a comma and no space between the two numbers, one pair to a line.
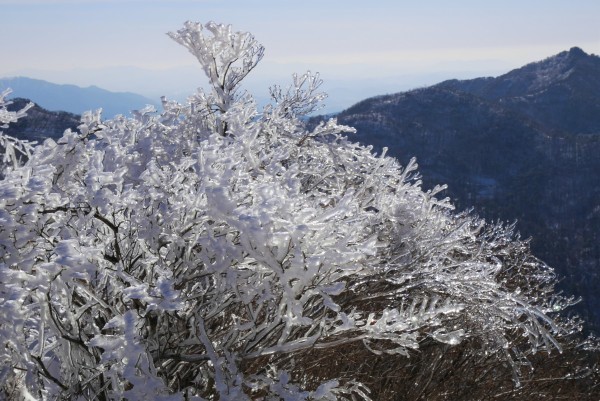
[15,150]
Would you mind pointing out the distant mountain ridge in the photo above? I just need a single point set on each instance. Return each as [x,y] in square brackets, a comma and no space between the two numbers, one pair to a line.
[522,146]
[569,79]
[75,99]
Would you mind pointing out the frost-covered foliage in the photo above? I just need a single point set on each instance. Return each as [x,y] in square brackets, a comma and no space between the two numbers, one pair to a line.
[205,252]
[13,148]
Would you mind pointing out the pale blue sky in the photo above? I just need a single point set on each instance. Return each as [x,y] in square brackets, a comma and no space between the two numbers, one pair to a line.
[360,48]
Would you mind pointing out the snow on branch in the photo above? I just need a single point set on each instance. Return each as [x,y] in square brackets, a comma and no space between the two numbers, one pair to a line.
[14,149]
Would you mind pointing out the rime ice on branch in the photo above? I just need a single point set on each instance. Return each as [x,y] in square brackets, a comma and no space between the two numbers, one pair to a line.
[14,149]
[205,252]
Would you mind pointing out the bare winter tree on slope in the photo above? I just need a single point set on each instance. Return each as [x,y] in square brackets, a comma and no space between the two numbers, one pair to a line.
[215,252]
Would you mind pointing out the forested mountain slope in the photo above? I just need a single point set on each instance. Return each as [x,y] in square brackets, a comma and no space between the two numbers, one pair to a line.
[523,146]
[40,123]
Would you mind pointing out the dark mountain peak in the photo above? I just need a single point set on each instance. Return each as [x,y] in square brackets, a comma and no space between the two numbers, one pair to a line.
[577,52]
[564,60]
[567,68]
[18,103]
[532,77]
[560,67]
[40,123]
[560,91]
[574,54]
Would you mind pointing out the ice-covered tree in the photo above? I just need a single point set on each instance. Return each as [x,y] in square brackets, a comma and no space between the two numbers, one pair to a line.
[213,251]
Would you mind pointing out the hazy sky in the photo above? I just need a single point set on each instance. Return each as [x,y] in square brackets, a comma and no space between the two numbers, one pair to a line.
[381,46]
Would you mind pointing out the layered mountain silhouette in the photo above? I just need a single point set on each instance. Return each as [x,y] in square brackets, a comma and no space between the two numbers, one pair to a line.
[523,146]
[75,99]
